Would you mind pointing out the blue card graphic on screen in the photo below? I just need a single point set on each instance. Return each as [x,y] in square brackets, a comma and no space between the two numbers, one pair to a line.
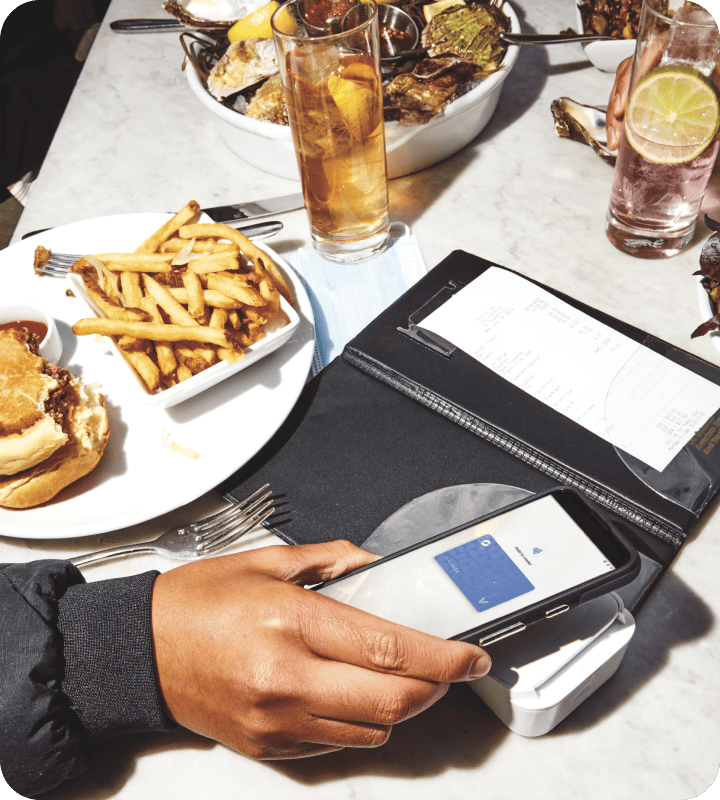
[484,573]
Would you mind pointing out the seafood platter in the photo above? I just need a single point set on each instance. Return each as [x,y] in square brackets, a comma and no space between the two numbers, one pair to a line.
[443,66]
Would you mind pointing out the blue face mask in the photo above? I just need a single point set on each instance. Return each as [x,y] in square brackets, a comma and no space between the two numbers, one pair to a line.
[346,298]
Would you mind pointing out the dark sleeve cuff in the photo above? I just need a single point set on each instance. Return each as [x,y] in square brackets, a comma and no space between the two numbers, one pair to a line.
[110,674]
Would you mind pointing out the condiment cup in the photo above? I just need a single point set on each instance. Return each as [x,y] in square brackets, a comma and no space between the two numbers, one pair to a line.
[51,345]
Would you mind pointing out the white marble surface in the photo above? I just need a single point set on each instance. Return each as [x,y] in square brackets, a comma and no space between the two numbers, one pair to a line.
[133,138]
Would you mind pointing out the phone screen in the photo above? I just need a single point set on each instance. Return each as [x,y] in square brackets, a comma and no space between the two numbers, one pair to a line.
[480,573]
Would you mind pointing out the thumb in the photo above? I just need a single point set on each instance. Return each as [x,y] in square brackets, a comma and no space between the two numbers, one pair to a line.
[312,563]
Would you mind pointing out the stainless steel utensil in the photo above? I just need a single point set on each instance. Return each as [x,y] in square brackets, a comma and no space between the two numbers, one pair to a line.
[552,38]
[58,264]
[199,539]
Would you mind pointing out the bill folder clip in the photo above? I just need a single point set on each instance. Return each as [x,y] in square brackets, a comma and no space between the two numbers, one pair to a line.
[427,338]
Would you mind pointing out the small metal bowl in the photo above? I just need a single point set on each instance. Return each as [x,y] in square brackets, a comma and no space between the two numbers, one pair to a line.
[399,32]
[331,25]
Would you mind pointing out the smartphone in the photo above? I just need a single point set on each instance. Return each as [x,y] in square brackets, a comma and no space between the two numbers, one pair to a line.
[497,575]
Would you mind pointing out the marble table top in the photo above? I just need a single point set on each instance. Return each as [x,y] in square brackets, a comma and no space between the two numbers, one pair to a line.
[135,139]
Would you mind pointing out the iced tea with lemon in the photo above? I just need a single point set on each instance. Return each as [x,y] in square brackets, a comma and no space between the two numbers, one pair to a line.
[670,136]
[333,92]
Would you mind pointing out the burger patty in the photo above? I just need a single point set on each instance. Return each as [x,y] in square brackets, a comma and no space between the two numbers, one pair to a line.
[61,399]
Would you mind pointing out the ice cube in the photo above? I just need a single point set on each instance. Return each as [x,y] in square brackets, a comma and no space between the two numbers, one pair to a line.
[689,40]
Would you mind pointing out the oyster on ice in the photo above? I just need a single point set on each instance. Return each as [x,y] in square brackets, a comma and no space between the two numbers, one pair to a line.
[416,97]
[268,102]
[245,63]
[210,13]
[470,32]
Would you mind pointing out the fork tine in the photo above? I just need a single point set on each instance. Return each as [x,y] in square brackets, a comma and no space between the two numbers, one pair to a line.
[224,541]
[221,527]
[227,513]
[53,271]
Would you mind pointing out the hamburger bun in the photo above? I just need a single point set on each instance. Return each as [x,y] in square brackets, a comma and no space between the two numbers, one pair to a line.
[66,426]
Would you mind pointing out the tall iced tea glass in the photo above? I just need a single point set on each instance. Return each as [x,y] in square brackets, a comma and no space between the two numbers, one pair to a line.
[670,136]
[333,92]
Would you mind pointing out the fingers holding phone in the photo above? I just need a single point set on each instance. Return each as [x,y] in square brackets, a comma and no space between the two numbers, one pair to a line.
[247,656]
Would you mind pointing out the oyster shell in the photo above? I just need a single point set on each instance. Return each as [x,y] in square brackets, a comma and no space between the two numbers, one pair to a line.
[268,102]
[245,63]
[209,13]
[470,32]
[416,97]
[582,123]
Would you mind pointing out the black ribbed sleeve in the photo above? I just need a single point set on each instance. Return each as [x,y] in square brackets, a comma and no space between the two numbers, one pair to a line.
[76,667]
[109,667]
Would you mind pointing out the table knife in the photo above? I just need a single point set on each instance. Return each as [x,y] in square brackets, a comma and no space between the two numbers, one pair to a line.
[256,230]
[255,208]
[249,210]
[146,25]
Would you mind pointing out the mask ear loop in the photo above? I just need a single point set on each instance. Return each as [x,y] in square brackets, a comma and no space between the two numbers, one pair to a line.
[400,230]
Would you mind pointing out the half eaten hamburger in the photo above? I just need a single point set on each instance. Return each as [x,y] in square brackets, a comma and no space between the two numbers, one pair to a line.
[53,428]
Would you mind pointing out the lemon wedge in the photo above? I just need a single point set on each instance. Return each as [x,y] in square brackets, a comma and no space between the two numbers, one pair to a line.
[431,9]
[673,115]
[353,95]
[256,24]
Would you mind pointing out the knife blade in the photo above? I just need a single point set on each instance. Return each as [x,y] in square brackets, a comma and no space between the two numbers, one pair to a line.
[146,25]
[255,208]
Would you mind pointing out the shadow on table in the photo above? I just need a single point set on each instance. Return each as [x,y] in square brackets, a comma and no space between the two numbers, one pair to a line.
[459,732]
[672,616]
[412,195]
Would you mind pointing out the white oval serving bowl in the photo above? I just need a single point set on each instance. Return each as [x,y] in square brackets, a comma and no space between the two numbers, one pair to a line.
[51,346]
[409,147]
[606,55]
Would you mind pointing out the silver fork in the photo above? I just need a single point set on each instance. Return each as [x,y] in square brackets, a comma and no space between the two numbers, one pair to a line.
[57,265]
[199,539]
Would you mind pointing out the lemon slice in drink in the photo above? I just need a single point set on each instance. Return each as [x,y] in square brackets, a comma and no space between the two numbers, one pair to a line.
[353,95]
[673,115]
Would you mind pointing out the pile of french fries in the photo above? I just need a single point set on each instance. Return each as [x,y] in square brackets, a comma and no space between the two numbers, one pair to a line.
[190,295]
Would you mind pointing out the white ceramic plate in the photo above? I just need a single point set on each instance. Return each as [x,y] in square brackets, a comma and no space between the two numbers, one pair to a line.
[156,459]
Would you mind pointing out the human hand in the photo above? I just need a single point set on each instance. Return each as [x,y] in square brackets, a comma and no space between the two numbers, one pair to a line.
[618,101]
[246,656]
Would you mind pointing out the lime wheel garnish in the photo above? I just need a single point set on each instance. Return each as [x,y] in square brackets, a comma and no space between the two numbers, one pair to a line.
[673,115]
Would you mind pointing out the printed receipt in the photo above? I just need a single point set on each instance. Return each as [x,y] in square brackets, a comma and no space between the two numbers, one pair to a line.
[632,397]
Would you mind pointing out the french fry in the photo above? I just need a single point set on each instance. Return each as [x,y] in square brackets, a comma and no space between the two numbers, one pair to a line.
[130,287]
[193,359]
[216,262]
[133,262]
[208,246]
[151,330]
[218,318]
[145,367]
[211,297]
[191,294]
[178,314]
[167,363]
[252,251]
[227,285]
[112,308]
[151,244]
[195,296]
